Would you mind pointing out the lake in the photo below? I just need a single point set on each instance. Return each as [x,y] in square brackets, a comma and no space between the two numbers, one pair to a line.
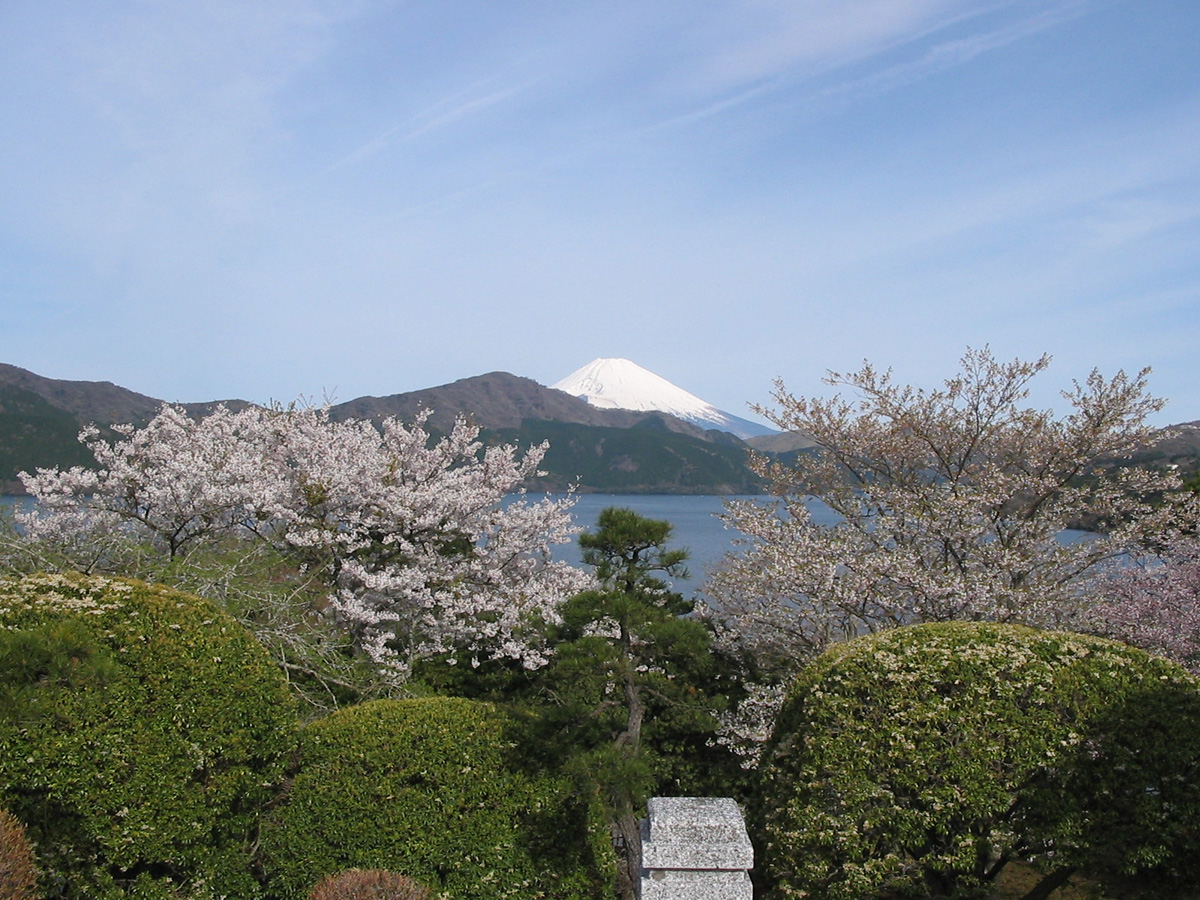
[694,517]
[7,501]
[696,527]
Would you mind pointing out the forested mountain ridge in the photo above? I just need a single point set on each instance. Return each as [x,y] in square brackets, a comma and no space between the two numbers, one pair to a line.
[594,449]
[34,432]
[501,400]
[101,402]
[611,450]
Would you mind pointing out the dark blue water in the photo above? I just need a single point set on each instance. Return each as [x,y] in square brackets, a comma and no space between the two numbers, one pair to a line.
[696,527]
[9,502]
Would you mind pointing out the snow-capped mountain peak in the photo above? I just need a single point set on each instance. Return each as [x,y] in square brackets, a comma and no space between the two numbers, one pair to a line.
[615,383]
[621,384]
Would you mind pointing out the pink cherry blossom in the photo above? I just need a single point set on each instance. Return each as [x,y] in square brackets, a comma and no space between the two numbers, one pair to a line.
[427,546]
[951,504]
[1155,604]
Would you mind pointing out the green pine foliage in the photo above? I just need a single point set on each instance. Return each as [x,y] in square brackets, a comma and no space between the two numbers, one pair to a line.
[628,701]
[634,682]
[141,731]
[918,762]
[437,789]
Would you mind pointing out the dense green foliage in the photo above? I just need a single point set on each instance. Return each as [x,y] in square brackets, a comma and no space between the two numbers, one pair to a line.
[634,681]
[438,789]
[141,731]
[627,706]
[627,698]
[648,458]
[919,761]
[33,433]
[279,603]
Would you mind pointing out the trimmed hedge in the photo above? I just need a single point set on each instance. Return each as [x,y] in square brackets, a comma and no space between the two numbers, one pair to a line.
[141,732]
[432,788]
[918,760]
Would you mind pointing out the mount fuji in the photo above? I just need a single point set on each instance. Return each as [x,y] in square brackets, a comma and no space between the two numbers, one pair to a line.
[620,384]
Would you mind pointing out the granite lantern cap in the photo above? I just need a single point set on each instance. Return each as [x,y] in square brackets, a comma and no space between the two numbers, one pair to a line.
[705,833]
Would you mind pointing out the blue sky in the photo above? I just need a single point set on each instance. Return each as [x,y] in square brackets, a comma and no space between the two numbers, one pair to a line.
[272,199]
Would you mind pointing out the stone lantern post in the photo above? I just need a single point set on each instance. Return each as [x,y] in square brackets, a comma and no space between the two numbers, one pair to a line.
[695,848]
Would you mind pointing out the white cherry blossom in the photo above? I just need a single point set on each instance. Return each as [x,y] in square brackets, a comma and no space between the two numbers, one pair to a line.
[951,505]
[421,542]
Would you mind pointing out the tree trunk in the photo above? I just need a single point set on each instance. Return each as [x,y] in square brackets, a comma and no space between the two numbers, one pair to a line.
[625,828]
[629,856]
[631,739]
[940,884]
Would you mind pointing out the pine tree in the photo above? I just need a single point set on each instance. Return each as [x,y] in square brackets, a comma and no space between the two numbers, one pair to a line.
[627,686]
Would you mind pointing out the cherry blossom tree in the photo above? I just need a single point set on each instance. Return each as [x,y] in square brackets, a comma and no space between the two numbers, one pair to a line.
[950,504]
[1155,604]
[425,547]
[420,543]
[173,483]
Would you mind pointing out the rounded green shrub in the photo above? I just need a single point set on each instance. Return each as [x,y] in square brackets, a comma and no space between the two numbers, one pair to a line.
[436,788]
[141,732]
[919,761]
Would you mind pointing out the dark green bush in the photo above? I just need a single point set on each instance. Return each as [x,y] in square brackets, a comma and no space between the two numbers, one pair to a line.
[436,788]
[919,761]
[141,731]
[18,868]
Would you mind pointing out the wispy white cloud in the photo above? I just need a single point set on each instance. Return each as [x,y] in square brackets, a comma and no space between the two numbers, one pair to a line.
[153,117]
[444,113]
[784,83]
[380,195]
[950,54]
[760,40]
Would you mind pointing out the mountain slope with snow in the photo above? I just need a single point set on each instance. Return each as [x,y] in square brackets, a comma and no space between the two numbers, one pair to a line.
[621,384]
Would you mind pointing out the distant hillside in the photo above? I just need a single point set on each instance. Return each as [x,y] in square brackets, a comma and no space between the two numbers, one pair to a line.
[617,450]
[608,450]
[781,442]
[34,433]
[40,419]
[599,449]
[500,400]
[100,402]
[647,458]
[1180,448]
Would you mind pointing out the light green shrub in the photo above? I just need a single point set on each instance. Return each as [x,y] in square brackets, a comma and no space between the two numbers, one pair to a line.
[436,788]
[919,761]
[141,731]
